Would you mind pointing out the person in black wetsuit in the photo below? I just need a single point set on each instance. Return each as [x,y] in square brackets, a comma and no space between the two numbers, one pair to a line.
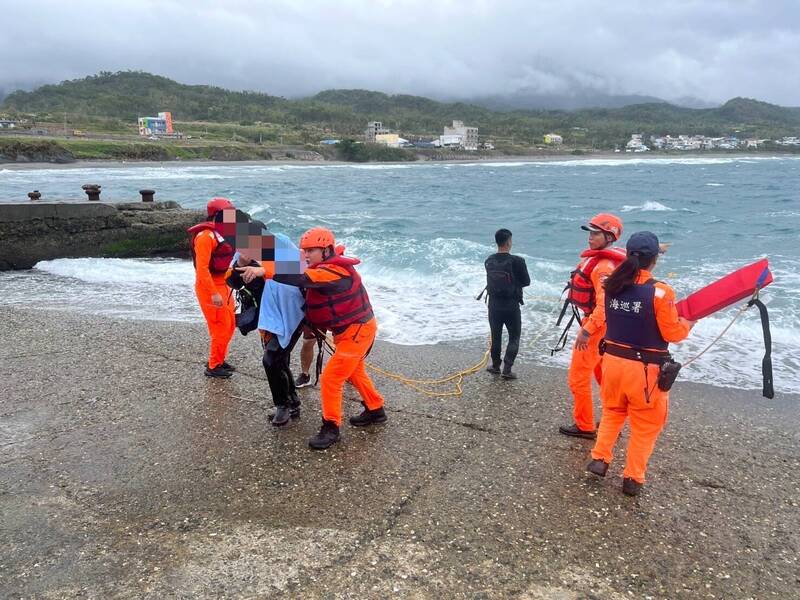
[506,275]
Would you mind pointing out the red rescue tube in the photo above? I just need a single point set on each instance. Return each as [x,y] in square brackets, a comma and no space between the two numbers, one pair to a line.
[726,291]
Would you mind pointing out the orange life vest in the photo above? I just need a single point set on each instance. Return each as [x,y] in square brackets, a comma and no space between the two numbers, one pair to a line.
[221,256]
[581,291]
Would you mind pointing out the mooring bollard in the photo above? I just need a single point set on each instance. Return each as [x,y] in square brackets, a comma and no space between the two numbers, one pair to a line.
[147,195]
[34,195]
[93,191]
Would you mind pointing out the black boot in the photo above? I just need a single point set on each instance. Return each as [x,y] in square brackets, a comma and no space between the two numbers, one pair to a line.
[575,432]
[508,373]
[631,487]
[281,416]
[228,366]
[368,417]
[218,372]
[494,369]
[597,467]
[328,435]
[294,407]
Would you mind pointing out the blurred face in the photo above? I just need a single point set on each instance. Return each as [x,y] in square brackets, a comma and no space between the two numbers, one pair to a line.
[313,256]
[597,240]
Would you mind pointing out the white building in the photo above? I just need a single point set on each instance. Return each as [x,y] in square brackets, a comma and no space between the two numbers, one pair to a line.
[469,135]
[635,144]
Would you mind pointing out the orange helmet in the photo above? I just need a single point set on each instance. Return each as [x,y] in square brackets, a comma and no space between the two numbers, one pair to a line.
[217,204]
[607,223]
[317,237]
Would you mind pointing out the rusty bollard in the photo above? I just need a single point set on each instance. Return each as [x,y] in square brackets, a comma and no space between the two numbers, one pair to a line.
[147,195]
[34,195]
[93,191]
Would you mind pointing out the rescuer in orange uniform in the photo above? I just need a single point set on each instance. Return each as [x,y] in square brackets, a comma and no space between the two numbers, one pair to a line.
[641,320]
[585,294]
[212,257]
[337,301]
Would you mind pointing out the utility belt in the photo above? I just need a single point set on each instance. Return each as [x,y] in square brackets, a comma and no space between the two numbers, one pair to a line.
[667,368]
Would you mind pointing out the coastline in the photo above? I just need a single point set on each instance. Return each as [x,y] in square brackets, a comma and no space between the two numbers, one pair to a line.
[131,474]
[534,158]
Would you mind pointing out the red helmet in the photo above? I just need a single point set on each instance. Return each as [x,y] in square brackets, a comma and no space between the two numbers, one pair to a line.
[317,237]
[217,204]
[607,223]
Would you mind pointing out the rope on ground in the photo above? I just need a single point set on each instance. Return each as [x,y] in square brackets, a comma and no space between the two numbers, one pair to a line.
[738,314]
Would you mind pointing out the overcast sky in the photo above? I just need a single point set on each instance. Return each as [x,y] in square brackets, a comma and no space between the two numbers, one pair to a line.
[709,49]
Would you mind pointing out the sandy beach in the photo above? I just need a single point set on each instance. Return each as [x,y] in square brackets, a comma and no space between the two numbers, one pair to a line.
[126,473]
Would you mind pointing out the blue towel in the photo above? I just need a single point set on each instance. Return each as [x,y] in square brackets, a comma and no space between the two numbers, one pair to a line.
[281,310]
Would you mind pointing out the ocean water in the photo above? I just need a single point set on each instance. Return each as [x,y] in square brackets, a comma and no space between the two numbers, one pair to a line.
[423,231]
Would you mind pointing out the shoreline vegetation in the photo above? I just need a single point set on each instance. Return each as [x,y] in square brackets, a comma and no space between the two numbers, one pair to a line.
[95,118]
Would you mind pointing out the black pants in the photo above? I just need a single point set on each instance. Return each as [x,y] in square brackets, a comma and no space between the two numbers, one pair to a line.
[279,374]
[511,317]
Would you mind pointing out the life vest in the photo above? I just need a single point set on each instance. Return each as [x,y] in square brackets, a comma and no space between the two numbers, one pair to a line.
[581,291]
[337,310]
[221,256]
[631,318]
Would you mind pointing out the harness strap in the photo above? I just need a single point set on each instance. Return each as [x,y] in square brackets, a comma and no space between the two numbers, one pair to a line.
[766,362]
[645,356]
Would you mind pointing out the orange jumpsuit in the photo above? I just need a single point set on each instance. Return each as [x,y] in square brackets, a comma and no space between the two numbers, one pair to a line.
[623,391]
[352,346]
[586,362]
[220,320]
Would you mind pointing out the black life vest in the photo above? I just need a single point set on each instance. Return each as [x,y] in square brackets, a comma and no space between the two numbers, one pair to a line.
[500,282]
[631,318]
[221,256]
[337,310]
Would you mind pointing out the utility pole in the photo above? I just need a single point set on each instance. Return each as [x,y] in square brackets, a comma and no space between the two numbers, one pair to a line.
[65,124]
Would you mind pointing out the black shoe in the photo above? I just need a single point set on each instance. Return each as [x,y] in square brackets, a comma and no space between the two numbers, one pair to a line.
[218,372]
[281,417]
[631,487]
[294,407]
[508,374]
[597,467]
[303,380]
[493,370]
[575,432]
[228,366]
[368,417]
[328,435]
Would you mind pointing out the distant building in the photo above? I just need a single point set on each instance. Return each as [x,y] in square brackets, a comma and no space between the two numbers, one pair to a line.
[468,135]
[160,125]
[329,142]
[7,124]
[388,139]
[374,128]
[553,138]
[635,144]
[450,141]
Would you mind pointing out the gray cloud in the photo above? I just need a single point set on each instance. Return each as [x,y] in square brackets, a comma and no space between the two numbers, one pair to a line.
[710,49]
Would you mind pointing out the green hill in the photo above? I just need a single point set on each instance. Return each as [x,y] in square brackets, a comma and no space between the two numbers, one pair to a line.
[125,95]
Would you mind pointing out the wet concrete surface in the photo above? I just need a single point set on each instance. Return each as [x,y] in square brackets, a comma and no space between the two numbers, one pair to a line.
[125,473]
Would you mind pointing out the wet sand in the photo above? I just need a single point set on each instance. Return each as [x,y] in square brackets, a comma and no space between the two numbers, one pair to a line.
[126,473]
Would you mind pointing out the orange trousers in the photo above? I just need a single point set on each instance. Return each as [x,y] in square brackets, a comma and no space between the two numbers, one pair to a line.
[347,364]
[624,396]
[583,365]
[220,320]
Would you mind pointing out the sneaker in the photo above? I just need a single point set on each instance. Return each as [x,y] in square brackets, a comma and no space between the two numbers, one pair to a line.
[631,487]
[508,374]
[328,435]
[368,417]
[597,467]
[493,370]
[218,372]
[281,417]
[303,380]
[575,432]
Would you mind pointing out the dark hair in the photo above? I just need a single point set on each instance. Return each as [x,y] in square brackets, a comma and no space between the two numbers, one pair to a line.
[502,236]
[625,273]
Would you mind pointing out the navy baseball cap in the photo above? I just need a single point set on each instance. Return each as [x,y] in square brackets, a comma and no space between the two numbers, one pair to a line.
[642,243]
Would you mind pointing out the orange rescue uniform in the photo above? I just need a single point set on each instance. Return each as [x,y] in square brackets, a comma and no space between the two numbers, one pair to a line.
[586,363]
[353,342]
[221,321]
[623,386]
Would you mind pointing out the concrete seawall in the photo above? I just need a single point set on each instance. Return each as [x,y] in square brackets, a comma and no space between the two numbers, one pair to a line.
[30,232]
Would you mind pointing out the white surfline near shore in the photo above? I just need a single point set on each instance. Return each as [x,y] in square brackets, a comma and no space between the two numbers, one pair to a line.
[430,300]
[650,205]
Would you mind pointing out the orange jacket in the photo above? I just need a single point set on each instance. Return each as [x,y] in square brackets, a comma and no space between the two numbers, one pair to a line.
[597,319]
[206,282]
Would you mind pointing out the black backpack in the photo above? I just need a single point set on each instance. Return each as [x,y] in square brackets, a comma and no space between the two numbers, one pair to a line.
[248,296]
[500,276]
